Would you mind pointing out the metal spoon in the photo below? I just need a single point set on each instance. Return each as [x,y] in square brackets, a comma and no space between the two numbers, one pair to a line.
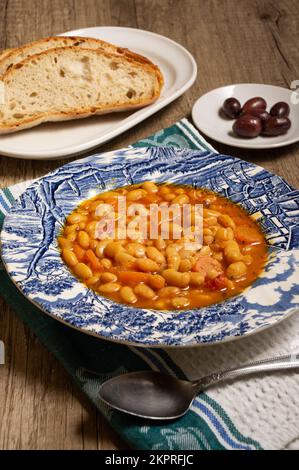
[154,395]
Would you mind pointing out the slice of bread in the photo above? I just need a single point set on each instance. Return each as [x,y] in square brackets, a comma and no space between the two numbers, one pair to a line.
[4,54]
[10,57]
[70,83]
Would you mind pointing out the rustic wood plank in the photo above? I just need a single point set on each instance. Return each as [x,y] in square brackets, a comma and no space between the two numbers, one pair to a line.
[233,41]
[40,407]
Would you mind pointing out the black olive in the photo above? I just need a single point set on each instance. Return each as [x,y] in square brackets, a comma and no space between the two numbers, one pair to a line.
[232,107]
[247,126]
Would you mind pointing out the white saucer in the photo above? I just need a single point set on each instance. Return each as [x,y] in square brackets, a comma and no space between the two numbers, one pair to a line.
[206,116]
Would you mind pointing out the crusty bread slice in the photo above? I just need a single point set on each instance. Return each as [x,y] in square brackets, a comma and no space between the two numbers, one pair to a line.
[11,57]
[4,54]
[69,83]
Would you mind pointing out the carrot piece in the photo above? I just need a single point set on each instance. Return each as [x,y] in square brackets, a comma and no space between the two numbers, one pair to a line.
[79,252]
[247,234]
[132,277]
[93,260]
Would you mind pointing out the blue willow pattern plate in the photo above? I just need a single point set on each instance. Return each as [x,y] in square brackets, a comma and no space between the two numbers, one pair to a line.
[31,255]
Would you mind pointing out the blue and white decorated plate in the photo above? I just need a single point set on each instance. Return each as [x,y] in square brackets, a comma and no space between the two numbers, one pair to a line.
[31,255]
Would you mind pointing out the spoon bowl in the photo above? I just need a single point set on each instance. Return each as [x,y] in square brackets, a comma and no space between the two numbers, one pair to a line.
[148,394]
[154,395]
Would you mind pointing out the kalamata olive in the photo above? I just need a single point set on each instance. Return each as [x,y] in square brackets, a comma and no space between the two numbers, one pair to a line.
[247,126]
[276,126]
[253,104]
[280,109]
[263,115]
[232,107]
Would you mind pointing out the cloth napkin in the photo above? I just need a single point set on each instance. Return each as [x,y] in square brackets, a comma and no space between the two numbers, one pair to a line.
[250,413]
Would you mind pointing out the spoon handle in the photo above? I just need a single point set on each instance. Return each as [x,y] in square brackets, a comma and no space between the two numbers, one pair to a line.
[289,361]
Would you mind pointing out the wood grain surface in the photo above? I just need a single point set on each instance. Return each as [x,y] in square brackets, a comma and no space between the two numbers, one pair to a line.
[233,41]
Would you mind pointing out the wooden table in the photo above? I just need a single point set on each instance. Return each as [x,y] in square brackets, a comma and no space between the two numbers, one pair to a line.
[233,41]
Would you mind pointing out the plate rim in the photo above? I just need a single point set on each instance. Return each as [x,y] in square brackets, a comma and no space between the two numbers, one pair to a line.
[126,123]
[241,143]
[189,344]
[227,339]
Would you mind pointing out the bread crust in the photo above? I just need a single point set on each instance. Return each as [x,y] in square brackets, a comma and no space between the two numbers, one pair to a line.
[80,40]
[27,123]
[5,53]
[85,113]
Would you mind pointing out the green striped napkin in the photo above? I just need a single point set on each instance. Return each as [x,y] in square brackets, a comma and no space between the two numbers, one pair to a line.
[211,423]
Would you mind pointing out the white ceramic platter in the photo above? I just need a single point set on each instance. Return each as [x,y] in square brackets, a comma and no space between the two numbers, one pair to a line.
[58,140]
[208,120]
